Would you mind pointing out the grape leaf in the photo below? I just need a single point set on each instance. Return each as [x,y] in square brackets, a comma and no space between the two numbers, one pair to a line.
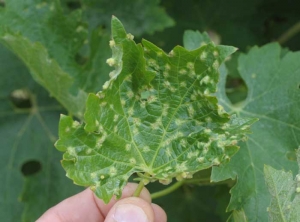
[138,16]
[273,96]
[31,176]
[49,42]
[194,39]
[191,203]
[285,197]
[154,116]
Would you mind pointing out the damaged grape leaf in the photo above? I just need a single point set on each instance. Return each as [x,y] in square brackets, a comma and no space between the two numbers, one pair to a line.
[50,43]
[156,115]
[273,96]
[285,194]
[138,16]
[31,176]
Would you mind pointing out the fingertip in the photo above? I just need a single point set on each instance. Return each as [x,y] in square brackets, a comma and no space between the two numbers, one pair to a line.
[131,209]
[159,214]
[127,192]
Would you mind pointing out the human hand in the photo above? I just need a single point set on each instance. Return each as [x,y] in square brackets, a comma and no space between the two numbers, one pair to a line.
[86,207]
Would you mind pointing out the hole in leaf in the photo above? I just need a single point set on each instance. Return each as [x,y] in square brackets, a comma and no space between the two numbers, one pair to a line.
[145,95]
[236,89]
[31,167]
[73,5]
[21,98]
[80,59]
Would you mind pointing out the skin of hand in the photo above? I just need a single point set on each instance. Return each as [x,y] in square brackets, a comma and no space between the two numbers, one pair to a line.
[86,207]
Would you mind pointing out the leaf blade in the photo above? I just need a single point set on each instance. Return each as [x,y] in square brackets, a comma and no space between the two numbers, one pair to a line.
[169,127]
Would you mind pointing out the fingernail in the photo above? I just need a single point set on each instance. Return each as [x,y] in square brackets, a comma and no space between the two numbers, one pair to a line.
[129,213]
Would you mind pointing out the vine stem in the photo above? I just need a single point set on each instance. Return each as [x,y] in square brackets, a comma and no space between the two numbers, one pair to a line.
[291,32]
[168,190]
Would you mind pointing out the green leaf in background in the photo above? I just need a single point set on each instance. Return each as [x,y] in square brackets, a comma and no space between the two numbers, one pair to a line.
[285,197]
[192,203]
[138,16]
[176,130]
[274,97]
[49,44]
[30,172]
[195,39]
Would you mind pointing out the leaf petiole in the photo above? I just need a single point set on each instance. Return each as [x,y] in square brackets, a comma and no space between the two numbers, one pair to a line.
[139,189]
[168,190]
[144,180]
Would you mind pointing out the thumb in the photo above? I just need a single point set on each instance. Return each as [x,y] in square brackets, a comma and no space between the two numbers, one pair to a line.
[131,209]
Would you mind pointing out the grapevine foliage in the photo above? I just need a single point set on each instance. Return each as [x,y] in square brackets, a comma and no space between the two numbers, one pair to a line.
[156,115]
[285,193]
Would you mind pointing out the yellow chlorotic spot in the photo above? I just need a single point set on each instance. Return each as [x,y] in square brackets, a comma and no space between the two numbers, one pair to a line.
[203,55]
[115,129]
[168,152]
[112,171]
[103,104]
[191,110]
[94,175]
[206,79]
[206,92]
[111,61]
[172,53]
[130,36]
[216,65]
[130,111]
[75,124]
[216,161]
[137,121]
[167,67]
[181,167]
[146,149]
[182,71]
[166,181]
[80,29]
[116,117]
[132,160]
[89,151]
[183,84]
[106,85]
[190,65]
[112,43]
[165,74]
[183,142]
[192,154]
[192,74]
[130,94]
[208,119]
[71,151]
[200,159]
[123,102]
[159,54]
[127,147]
